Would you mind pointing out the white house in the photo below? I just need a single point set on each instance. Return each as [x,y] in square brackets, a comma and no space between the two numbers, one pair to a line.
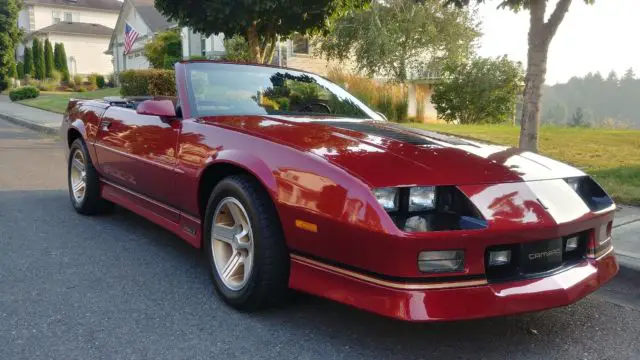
[83,26]
[146,20]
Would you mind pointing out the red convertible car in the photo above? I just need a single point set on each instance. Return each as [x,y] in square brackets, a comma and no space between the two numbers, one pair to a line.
[286,181]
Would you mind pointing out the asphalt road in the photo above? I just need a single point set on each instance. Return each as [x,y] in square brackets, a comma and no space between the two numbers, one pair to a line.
[118,287]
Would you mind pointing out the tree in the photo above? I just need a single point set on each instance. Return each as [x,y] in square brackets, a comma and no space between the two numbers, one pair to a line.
[60,61]
[10,35]
[577,120]
[164,50]
[400,38]
[541,32]
[260,22]
[236,49]
[38,59]
[20,70]
[29,69]
[482,91]
[48,60]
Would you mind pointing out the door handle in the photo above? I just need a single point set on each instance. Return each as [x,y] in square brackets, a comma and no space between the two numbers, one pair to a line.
[105,125]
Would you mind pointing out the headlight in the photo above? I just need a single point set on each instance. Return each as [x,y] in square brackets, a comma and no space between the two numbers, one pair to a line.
[387,197]
[422,198]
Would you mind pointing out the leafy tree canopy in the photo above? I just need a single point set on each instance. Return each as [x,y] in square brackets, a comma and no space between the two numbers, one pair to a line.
[10,35]
[260,22]
[164,50]
[482,91]
[399,39]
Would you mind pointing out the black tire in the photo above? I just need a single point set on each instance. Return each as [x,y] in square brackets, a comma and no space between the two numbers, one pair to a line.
[91,203]
[267,285]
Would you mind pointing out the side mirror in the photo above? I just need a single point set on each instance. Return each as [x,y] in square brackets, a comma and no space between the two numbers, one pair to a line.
[161,108]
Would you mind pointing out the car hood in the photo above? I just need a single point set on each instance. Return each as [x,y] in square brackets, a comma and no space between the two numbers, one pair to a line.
[387,154]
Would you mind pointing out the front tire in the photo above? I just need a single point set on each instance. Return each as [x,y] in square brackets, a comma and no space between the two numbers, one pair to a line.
[84,182]
[245,246]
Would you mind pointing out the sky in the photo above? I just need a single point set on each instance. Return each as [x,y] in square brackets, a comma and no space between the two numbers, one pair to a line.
[601,37]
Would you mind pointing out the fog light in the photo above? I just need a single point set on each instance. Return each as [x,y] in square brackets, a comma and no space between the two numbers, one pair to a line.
[441,261]
[500,257]
[572,244]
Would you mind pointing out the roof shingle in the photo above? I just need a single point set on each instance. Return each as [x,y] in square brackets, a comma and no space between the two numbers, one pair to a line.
[110,5]
[77,28]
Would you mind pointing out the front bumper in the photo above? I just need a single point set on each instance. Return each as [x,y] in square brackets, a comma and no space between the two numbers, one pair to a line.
[460,303]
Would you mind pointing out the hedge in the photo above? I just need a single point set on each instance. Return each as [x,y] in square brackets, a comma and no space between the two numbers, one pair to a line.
[152,82]
[26,92]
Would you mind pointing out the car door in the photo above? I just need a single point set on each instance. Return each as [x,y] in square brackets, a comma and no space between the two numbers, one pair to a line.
[138,152]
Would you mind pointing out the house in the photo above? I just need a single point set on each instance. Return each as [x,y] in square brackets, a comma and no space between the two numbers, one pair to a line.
[147,21]
[83,26]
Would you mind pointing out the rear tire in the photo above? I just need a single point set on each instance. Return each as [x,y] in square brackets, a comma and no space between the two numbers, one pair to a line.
[248,257]
[83,182]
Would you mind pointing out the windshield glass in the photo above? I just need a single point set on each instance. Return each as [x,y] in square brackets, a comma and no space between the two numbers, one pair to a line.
[229,89]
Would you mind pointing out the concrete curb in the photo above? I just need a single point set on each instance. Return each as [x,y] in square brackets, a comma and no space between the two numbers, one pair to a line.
[629,266]
[30,125]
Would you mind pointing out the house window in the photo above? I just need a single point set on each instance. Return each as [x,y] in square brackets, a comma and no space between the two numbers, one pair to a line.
[300,44]
[68,17]
[55,15]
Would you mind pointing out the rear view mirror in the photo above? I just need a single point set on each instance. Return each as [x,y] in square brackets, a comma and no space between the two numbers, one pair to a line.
[161,108]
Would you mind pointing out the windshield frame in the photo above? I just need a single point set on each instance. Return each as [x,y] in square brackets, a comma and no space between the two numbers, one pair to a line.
[321,81]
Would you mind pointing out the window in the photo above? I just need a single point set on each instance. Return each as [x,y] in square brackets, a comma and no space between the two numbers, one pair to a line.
[68,17]
[55,15]
[300,44]
[223,89]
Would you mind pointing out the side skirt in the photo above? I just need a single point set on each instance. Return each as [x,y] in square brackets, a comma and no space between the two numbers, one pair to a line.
[185,226]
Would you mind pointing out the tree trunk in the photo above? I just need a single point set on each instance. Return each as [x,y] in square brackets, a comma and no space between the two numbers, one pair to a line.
[253,41]
[540,35]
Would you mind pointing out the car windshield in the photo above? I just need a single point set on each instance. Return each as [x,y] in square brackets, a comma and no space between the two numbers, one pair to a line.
[229,89]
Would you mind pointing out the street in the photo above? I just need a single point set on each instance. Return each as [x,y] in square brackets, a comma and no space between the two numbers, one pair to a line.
[119,287]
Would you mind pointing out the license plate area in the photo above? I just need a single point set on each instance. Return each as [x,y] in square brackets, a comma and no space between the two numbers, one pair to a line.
[540,256]
[537,259]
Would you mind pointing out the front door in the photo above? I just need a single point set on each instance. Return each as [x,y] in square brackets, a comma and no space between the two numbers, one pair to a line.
[138,152]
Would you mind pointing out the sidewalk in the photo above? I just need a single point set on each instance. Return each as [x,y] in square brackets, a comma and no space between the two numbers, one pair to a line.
[626,238]
[36,119]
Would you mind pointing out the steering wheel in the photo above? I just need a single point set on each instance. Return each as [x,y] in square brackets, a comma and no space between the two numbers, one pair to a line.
[309,107]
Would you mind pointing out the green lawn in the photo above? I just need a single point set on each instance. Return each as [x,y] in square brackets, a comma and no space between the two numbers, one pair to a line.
[611,156]
[57,101]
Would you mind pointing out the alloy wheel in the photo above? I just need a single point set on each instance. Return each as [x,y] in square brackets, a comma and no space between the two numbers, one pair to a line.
[232,243]
[78,176]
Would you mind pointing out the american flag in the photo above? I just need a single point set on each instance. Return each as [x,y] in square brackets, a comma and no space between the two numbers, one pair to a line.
[130,36]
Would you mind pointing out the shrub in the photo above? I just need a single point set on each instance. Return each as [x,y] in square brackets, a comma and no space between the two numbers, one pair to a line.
[197,57]
[78,79]
[20,69]
[26,92]
[163,49]
[92,79]
[148,82]
[112,79]
[81,89]
[390,99]
[56,76]
[4,83]
[101,82]
[47,85]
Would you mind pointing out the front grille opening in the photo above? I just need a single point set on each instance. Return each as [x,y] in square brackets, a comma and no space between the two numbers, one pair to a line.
[537,259]
[453,211]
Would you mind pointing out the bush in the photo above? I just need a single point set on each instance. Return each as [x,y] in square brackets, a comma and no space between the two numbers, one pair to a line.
[148,82]
[81,89]
[113,79]
[92,79]
[56,76]
[78,79]
[26,92]
[101,82]
[197,57]
[20,70]
[47,85]
[4,83]
[390,99]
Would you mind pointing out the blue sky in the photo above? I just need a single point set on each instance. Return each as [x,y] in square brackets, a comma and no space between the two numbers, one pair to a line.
[601,37]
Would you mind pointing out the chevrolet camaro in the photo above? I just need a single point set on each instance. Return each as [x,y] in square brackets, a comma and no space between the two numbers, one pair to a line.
[286,181]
